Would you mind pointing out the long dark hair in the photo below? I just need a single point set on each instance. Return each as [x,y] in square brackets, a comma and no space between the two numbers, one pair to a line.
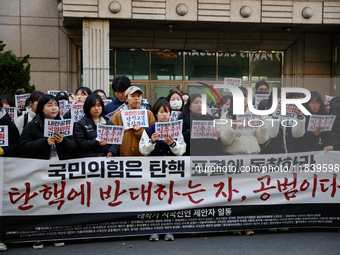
[41,103]
[35,96]
[90,101]
[317,96]
[85,90]
[231,108]
[170,95]
[186,109]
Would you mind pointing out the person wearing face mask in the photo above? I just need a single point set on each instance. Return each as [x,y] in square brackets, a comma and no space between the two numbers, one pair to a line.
[176,101]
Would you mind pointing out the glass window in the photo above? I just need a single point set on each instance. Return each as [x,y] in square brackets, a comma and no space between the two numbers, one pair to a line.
[200,65]
[166,65]
[233,65]
[265,66]
[163,91]
[133,64]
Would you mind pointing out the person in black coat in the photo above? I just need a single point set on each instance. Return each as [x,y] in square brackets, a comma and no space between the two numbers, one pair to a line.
[32,142]
[85,130]
[13,134]
[313,140]
[201,146]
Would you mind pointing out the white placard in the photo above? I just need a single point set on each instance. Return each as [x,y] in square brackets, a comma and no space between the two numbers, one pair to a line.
[111,134]
[77,112]
[212,111]
[174,115]
[53,92]
[323,122]
[12,111]
[131,117]
[290,112]
[106,101]
[328,98]
[63,127]
[63,107]
[232,81]
[166,129]
[21,99]
[109,115]
[203,129]
[248,122]
[224,110]
[3,136]
[259,98]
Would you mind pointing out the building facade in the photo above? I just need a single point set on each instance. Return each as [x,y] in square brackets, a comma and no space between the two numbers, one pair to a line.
[164,43]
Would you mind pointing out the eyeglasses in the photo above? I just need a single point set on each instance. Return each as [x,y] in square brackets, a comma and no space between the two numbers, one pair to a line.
[263,90]
[314,104]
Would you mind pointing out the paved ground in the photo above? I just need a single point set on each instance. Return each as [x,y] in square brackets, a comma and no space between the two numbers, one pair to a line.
[296,241]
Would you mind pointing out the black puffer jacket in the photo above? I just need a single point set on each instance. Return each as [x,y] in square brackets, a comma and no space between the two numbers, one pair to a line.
[85,133]
[13,136]
[33,144]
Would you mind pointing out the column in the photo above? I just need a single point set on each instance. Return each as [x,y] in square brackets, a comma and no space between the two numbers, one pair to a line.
[96,64]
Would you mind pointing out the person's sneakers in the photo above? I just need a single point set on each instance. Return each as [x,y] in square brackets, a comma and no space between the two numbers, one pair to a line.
[237,233]
[169,237]
[59,244]
[249,232]
[38,245]
[3,247]
[154,237]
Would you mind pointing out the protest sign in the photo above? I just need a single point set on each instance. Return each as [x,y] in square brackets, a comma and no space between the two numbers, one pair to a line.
[12,111]
[111,134]
[203,129]
[3,136]
[21,99]
[174,115]
[166,129]
[131,117]
[322,122]
[77,112]
[63,127]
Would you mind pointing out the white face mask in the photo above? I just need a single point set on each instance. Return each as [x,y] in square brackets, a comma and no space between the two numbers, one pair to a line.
[176,104]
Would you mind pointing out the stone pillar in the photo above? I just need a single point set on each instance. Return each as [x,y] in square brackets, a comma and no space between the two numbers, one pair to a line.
[96,46]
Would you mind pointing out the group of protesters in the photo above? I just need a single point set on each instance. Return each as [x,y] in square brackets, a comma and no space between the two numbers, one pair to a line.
[26,135]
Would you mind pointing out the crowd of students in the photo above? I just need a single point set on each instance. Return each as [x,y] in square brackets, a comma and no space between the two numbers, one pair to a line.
[26,134]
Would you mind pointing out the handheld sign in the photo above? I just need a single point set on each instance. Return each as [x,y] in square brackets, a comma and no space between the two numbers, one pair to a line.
[131,117]
[203,129]
[21,99]
[111,134]
[12,111]
[3,136]
[53,92]
[248,122]
[62,107]
[77,112]
[63,127]
[259,98]
[323,122]
[232,81]
[166,129]
[174,116]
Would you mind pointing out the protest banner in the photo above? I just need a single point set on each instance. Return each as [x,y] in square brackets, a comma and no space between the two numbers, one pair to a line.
[63,127]
[3,136]
[322,122]
[77,112]
[12,111]
[131,117]
[166,129]
[124,196]
[106,101]
[111,134]
[21,99]
[203,129]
